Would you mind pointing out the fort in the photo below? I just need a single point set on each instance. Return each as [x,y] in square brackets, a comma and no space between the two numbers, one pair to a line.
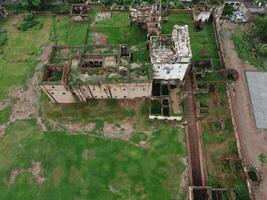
[104,71]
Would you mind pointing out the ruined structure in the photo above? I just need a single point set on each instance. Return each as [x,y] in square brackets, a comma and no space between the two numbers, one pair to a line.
[202,13]
[3,12]
[95,72]
[171,54]
[80,12]
[78,74]
[148,18]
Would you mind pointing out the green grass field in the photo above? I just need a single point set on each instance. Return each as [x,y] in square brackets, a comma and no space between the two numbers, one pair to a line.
[69,32]
[83,167]
[203,42]
[19,54]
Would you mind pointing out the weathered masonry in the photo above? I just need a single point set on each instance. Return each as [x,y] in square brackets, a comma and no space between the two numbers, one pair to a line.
[85,74]
[148,18]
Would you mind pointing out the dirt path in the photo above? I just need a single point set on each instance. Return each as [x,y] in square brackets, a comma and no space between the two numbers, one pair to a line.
[26,100]
[253,141]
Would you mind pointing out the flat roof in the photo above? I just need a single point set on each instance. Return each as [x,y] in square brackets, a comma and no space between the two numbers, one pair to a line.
[257,84]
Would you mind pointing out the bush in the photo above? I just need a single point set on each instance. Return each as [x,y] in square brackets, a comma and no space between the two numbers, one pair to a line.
[31,4]
[228,10]
[263,158]
[263,49]
[29,21]
[260,27]
[3,37]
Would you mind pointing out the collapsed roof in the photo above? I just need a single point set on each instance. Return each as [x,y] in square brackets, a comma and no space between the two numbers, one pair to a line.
[171,54]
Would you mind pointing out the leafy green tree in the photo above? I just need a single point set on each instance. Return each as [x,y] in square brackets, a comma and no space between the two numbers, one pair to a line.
[260,27]
[31,4]
[228,9]
[263,49]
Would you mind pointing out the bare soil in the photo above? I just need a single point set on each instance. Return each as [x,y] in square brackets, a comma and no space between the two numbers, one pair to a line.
[35,170]
[123,131]
[99,38]
[252,140]
[176,100]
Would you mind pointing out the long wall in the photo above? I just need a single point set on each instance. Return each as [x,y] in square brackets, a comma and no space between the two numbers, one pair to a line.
[83,92]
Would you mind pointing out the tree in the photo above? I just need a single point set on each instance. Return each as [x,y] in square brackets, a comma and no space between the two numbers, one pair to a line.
[263,49]
[31,4]
[260,27]
[228,10]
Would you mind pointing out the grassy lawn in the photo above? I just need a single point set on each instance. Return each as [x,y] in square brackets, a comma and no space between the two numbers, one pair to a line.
[69,32]
[203,42]
[86,167]
[19,54]
[118,31]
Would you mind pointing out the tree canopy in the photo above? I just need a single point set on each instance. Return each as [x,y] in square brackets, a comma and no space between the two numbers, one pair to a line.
[31,4]
[260,27]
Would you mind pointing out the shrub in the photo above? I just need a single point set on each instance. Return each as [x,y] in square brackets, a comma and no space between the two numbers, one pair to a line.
[3,37]
[29,21]
[228,10]
[260,27]
[263,158]
[263,49]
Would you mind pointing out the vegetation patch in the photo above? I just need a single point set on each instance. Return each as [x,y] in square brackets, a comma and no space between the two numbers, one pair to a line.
[138,137]
[3,37]
[19,55]
[5,114]
[203,42]
[29,21]
[263,158]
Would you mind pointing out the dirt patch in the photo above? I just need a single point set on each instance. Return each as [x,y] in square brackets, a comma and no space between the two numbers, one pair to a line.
[93,27]
[176,100]
[64,52]
[99,39]
[14,174]
[35,170]
[123,131]
[57,175]
[88,154]
[102,15]
[110,61]
[131,103]
[25,106]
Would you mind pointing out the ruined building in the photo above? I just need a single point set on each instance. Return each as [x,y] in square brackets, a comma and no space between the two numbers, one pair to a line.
[94,72]
[202,12]
[148,18]
[78,74]
[3,12]
[80,12]
[171,54]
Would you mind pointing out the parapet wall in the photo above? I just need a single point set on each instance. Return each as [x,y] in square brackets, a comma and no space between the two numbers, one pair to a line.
[84,92]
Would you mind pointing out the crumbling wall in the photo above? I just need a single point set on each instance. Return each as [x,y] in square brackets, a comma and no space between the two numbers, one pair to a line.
[115,90]
[131,90]
[58,93]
